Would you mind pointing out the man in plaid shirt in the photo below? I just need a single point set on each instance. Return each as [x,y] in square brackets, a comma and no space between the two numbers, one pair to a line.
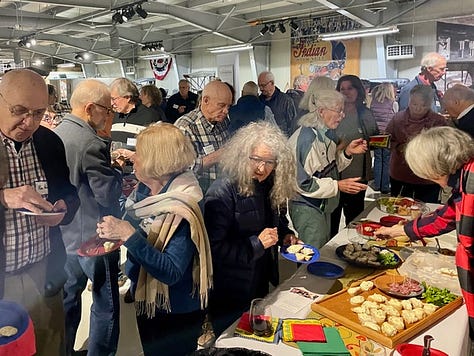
[208,129]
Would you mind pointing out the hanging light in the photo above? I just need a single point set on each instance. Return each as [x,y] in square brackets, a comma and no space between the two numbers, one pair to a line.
[264,30]
[281,27]
[272,29]
[294,26]
[117,18]
[142,13]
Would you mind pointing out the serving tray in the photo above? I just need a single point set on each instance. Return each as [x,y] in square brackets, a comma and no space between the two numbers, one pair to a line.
[338,308]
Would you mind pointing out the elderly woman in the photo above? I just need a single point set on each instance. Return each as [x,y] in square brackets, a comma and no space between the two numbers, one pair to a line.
[151,97]
[318,165]
[358,123]
[245,219]
[169,259]
[445,155]
[405,125]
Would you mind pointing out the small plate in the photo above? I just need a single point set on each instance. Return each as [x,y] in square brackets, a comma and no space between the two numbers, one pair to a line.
[416,350]
[95,247]
[402,206]
[390,220]
[292,256]
[340,254]
[383,283]
[366,229]
[326,269]
[46,213]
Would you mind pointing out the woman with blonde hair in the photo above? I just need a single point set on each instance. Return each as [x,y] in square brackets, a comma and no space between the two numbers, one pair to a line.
[383,107]
[245,218]
[319,161]
[445,155]
[169,260]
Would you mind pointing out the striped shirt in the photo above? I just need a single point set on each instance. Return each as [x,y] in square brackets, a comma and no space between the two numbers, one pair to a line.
[25,241]
[206,138]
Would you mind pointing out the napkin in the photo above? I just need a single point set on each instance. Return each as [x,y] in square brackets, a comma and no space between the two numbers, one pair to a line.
[302,330]
[333,346]
[243,329]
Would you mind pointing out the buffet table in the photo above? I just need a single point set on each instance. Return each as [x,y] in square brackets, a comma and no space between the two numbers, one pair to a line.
[285,305]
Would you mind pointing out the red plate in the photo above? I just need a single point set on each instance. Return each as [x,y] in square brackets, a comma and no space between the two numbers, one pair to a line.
[366,229]
[95,247]
[417,350]
[390,220]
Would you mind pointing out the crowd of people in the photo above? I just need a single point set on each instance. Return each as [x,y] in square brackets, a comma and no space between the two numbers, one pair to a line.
[219,187]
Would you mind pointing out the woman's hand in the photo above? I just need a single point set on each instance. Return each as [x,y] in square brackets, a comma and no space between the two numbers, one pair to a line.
[356,147]
[351,185]
[394,231]
[268,237]
[114,229]
[291,239]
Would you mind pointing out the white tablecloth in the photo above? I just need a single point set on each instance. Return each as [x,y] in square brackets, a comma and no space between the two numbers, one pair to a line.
[451,335]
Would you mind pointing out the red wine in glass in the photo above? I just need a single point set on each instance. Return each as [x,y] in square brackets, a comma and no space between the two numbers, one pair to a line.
[261,325]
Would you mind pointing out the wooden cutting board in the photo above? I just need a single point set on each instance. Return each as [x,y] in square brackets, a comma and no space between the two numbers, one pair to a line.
[338,308]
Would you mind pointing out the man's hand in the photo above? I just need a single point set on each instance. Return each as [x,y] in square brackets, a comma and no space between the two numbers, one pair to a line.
[25,197]
[181,109]
[356,147]
[351,185]
[291,239]
[59,206]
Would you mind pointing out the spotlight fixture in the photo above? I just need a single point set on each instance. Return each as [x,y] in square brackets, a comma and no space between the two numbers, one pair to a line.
[117,18]
[127,13]
[264,30]
[82,56]
[142,13]
[27,42]
[153,46]
[281,27]
[79,57]
[272,29]
[294,26]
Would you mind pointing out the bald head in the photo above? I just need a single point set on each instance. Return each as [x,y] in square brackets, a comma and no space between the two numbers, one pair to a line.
[25,99]
[216,100]
[457,99]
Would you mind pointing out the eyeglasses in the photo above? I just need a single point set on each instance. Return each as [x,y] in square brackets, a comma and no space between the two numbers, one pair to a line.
[340,112]
[263,85]
[109,109]
[269,163]
[119,97]
[20,111]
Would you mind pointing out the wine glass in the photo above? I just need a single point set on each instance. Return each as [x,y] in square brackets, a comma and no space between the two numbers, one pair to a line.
[261,317]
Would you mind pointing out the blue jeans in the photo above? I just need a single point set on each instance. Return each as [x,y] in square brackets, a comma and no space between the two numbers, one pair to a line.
[382,169]
[105,313]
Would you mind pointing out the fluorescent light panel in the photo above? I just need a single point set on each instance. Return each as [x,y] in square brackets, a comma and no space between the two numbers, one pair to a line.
[154,56]
[104,61]
[226,49]
[366,32]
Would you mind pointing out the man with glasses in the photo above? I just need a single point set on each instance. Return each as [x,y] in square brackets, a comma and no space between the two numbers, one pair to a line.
[433,67]
[36,197]
[99,186]
[131,116]
[208,129]
[281,104]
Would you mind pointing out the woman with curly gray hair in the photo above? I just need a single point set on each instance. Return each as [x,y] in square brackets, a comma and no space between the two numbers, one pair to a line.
[244,214]
[319,161]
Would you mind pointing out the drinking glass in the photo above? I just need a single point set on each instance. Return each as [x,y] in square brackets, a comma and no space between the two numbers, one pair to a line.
[261,317]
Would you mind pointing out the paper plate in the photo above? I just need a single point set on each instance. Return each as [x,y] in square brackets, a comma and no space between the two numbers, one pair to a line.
[95,247]
[292,257]
[326,269]
[46,213]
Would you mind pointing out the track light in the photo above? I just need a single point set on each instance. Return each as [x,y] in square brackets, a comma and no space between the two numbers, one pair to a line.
[142,13]
[272,29]
[27,42]
[117,18]
[153,46]
[281,27]
[294,26]
[264,30]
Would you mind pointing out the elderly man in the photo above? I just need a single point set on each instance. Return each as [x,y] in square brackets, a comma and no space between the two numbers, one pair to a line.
[249,109]
[300,85]
[181,103]
[433,67]
[458,102]
[38,183]
[131,116]
[99,187]
[208,129]
[281,104]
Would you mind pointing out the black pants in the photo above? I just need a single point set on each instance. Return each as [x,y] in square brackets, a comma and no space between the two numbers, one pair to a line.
[352,205]
[170,334]
[427,193]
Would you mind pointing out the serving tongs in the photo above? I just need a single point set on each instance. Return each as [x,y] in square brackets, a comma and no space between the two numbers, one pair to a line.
[426,345]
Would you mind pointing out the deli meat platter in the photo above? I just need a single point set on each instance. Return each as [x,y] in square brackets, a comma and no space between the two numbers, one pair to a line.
[338,307]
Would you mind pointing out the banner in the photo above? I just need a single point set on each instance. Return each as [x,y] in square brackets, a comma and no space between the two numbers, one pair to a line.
[323,58]
[160,67]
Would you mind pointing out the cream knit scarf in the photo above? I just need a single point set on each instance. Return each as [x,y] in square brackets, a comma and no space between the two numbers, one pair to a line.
[169,209]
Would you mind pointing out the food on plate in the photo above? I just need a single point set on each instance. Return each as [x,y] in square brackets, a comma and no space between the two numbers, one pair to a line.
[388,329]
[367,255]
[390,310]
[365,318]
[406,287]
[366,285]
[354,291]
[359,310]
[302,257]
[419,312]
[409,316]
[406,305]
[379,315]
[307,251]
[108,246]
[416,303]
[357,300]
[449,271]
[8,331]
[397,322]
[430,308]
[397,304]
[400,206]
[378,298]
[294,248]
[437,296]
[371,325]
[369,305]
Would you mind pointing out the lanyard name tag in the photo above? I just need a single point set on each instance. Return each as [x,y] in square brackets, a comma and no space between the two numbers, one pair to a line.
[41,186]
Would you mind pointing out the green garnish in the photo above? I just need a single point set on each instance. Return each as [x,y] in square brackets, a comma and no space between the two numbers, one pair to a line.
[387,258]
[437,296]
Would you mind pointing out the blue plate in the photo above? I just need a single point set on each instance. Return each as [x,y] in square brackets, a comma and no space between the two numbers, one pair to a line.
[292,256]
[326,270]
[13,314]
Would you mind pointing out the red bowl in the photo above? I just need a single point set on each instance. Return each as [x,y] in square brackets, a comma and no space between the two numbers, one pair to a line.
[417,350]
[366,229]
[390,220]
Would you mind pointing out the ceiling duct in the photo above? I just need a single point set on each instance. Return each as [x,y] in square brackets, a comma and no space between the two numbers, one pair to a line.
[400,51]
